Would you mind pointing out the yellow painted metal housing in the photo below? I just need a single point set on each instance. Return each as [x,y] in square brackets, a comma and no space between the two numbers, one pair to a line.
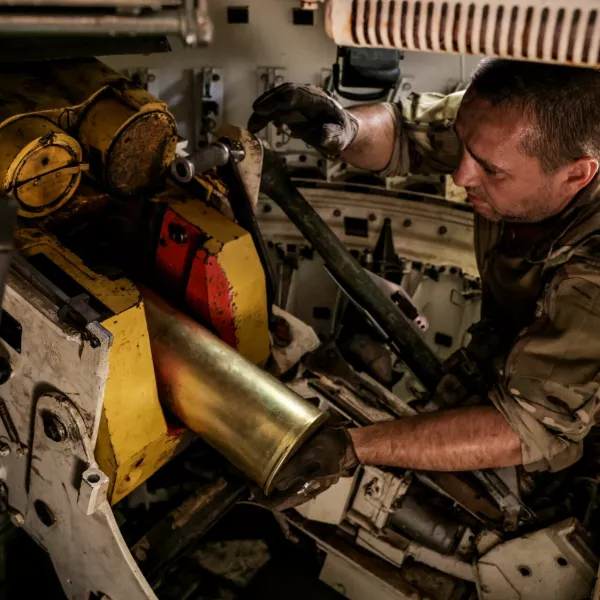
[39,164]
[134,439]
[127,135]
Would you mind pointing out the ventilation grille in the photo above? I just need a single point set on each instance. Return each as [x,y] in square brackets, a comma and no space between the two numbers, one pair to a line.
[540,30]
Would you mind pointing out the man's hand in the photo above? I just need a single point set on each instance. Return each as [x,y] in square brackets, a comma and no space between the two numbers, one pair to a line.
[319,464]
[311,115]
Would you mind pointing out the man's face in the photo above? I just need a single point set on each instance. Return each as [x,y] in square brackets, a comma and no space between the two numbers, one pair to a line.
[502,181]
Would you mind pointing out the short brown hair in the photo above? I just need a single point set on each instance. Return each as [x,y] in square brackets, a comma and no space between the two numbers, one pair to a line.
[564,101]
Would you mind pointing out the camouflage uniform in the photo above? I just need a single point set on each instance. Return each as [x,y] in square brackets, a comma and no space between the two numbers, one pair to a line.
[541,285]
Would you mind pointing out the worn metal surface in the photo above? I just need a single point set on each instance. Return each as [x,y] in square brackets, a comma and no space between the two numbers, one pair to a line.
[250,417]
[68,513]
[400,550]
[553,563]
[39,164]
[133,148]
[52,357]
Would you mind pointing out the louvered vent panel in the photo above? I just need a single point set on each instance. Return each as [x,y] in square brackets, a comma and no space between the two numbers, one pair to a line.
[566,31]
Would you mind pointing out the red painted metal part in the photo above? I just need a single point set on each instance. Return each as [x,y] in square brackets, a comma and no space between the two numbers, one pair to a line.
[188,272]
[210,296]
[175,252]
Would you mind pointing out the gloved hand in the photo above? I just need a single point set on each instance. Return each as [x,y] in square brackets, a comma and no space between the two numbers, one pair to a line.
[311,114]
[317,465]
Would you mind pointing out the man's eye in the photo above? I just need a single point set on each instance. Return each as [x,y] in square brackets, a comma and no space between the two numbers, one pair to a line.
[490,171]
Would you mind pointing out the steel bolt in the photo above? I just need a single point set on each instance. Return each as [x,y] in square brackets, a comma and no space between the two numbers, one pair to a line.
[177,233]
[17,519]
[53,428]
[443,230]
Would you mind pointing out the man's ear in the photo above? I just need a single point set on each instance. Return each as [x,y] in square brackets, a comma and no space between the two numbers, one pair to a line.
[578,175]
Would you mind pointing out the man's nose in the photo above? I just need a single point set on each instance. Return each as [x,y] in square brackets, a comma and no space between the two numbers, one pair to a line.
[467,174]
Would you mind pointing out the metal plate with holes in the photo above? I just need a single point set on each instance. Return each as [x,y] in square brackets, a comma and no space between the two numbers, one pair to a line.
[553,563]
[68,513]
[52,356]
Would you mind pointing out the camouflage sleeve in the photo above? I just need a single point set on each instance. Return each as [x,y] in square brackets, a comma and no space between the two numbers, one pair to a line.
[425,139]
[550,387]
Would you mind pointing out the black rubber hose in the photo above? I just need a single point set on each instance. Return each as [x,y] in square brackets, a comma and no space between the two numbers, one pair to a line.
[277,185]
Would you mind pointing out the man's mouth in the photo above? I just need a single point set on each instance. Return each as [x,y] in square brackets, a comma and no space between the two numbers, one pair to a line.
[475,199]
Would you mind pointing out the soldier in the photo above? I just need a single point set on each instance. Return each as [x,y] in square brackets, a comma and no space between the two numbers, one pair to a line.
[524,140]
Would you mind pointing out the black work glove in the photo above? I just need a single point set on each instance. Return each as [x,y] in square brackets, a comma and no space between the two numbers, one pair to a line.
[311,114]
[315,467]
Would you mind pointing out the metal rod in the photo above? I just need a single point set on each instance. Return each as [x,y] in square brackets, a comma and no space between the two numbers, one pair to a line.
[277,184]
[241,205]
[74,24]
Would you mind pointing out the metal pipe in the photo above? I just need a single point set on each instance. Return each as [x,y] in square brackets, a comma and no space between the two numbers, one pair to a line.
[80,24]
[278,186]
[253,419]
[185,168]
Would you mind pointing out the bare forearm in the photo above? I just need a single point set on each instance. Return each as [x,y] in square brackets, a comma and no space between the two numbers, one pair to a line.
[373,146]
[464,439]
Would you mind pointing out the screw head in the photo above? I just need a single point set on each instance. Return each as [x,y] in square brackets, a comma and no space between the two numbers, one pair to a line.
[53,428]
[177,233]
[17,519]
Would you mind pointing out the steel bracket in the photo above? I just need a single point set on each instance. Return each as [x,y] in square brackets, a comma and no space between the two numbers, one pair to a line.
[68,513]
